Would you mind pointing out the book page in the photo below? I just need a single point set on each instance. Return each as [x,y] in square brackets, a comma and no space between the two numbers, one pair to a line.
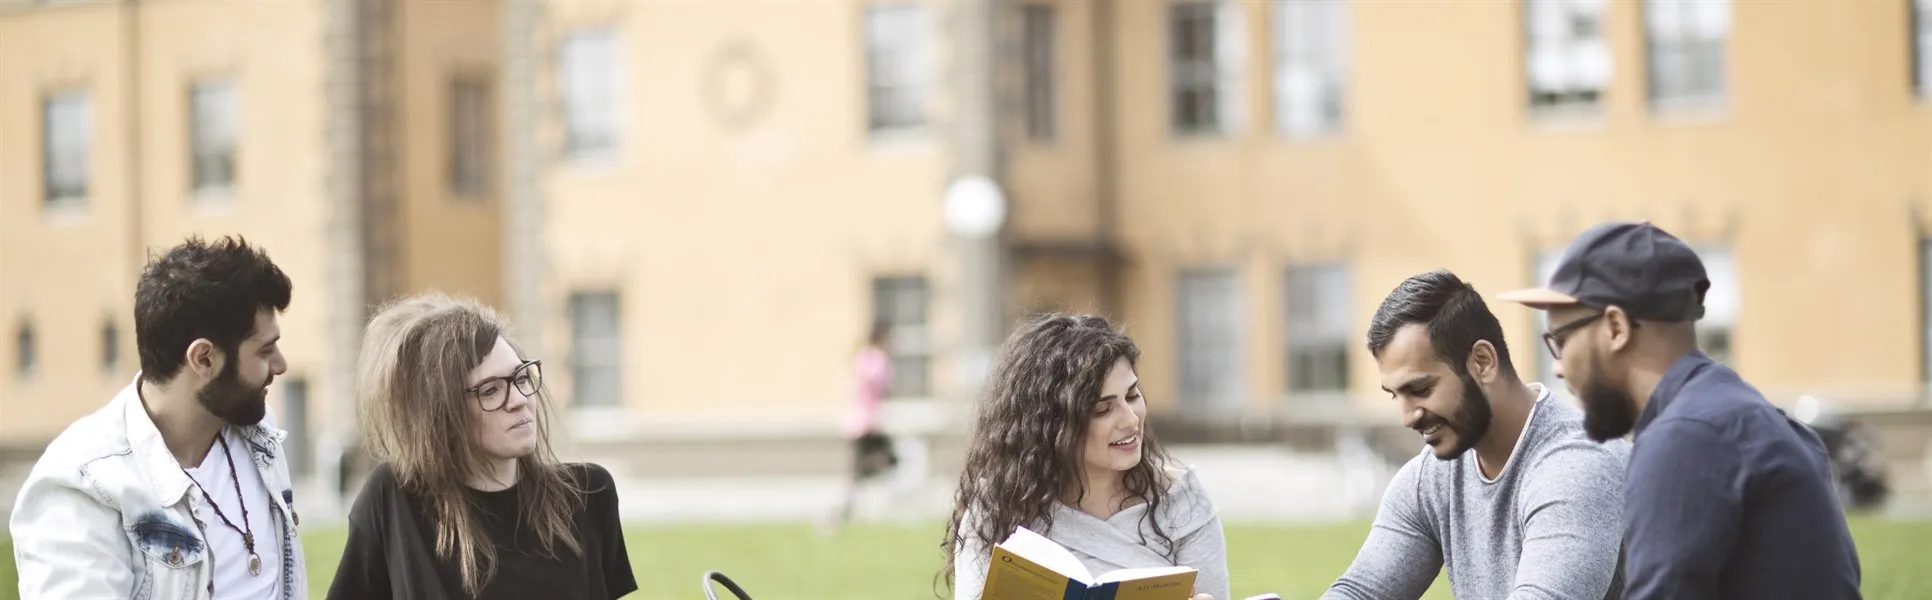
[1037,548]
[1013,577]
[1143,573]
[1175,583]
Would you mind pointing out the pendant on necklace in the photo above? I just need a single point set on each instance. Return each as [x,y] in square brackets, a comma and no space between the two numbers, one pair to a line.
[254,564]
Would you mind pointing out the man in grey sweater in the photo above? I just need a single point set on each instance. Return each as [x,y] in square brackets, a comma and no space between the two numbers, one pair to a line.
[1533,512]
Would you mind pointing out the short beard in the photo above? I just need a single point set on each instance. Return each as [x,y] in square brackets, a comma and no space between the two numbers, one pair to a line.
[1471,420]
[233,401]
[1608,412]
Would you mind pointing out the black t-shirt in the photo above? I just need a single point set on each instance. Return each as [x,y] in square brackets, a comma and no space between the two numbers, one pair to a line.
[391,551]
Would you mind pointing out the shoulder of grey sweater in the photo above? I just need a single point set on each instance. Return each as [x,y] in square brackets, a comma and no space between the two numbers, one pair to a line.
[968,542]
[1179,475]
[1564,433]
[1424,468]
[1577,461]
[1188,506]
[1558,430]
[1412,484]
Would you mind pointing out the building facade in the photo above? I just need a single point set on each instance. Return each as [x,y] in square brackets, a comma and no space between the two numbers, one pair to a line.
[694,211]
[1238,183]
[1349,145]
[353,141]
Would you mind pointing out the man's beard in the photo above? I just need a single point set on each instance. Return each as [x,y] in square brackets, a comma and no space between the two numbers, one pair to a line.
[233,400]
[1471,421]
[1608,412]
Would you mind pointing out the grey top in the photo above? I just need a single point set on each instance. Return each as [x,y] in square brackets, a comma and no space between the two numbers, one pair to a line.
[1125,541]
[1549,526]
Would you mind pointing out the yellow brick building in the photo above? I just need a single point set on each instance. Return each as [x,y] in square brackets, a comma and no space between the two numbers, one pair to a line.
[693,210]
[351,140]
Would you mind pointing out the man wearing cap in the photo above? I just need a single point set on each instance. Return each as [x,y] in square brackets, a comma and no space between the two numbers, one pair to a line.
[1725,496]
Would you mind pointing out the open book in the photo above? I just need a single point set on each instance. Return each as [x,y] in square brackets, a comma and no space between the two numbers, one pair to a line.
[1028,566]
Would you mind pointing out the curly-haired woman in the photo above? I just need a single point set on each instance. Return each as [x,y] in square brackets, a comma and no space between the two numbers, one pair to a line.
[1062,448]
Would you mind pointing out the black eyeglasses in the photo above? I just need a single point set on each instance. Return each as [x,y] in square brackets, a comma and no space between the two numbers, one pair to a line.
[494,393]
[1554,338]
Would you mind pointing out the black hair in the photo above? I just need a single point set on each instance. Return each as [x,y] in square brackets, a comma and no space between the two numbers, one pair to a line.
[202,290]
[1453,313]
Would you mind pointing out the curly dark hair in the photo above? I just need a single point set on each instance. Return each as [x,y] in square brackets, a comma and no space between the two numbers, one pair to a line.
[202,289]
[1026,446]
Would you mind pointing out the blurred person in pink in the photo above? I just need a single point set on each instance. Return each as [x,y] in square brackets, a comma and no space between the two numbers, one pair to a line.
[871,449]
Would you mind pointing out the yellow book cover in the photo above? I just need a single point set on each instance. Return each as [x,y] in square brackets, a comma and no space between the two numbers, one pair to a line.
[1028,566]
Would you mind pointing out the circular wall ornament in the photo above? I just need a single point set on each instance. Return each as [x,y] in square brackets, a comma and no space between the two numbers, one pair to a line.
[737,84]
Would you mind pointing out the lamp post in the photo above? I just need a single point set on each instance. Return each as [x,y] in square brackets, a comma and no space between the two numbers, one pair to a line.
[974,206]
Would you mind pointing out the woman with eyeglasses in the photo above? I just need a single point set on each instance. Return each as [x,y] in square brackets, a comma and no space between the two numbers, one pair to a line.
[468,501]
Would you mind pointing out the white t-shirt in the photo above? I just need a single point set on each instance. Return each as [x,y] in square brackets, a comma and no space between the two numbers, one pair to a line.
[225,545]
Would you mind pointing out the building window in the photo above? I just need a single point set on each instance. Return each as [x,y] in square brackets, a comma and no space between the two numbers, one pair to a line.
[901,302]
[1040,49]
[469,137]
[1687,60]
[67,148]
[1545,267]
[596,349]
[213,120]
[1720,303]
[1925,307]
[1311,65]
[1922,47]
[1568,59]
[898,69]
[110,346]
[591,74]
[1210,327]
[1205,55]
[294,418]
[25,350]
[1317,329]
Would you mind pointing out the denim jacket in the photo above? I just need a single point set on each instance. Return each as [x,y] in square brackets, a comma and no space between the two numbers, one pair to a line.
[106,513]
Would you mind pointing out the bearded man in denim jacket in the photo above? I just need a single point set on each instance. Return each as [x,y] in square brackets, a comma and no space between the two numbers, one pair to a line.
[179,486]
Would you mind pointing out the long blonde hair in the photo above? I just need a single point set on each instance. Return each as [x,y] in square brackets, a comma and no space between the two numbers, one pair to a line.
[413,408]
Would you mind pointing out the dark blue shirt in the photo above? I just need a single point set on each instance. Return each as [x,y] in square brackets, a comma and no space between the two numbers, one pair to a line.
[1726,497]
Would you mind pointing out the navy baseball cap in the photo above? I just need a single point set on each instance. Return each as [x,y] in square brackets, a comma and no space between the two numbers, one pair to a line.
[1646,271]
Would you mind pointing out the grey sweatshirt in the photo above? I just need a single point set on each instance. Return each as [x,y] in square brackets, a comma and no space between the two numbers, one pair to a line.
[1187,516]
[1549,526]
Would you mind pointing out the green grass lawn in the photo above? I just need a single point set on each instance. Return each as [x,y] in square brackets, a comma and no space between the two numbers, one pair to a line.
[881,562]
